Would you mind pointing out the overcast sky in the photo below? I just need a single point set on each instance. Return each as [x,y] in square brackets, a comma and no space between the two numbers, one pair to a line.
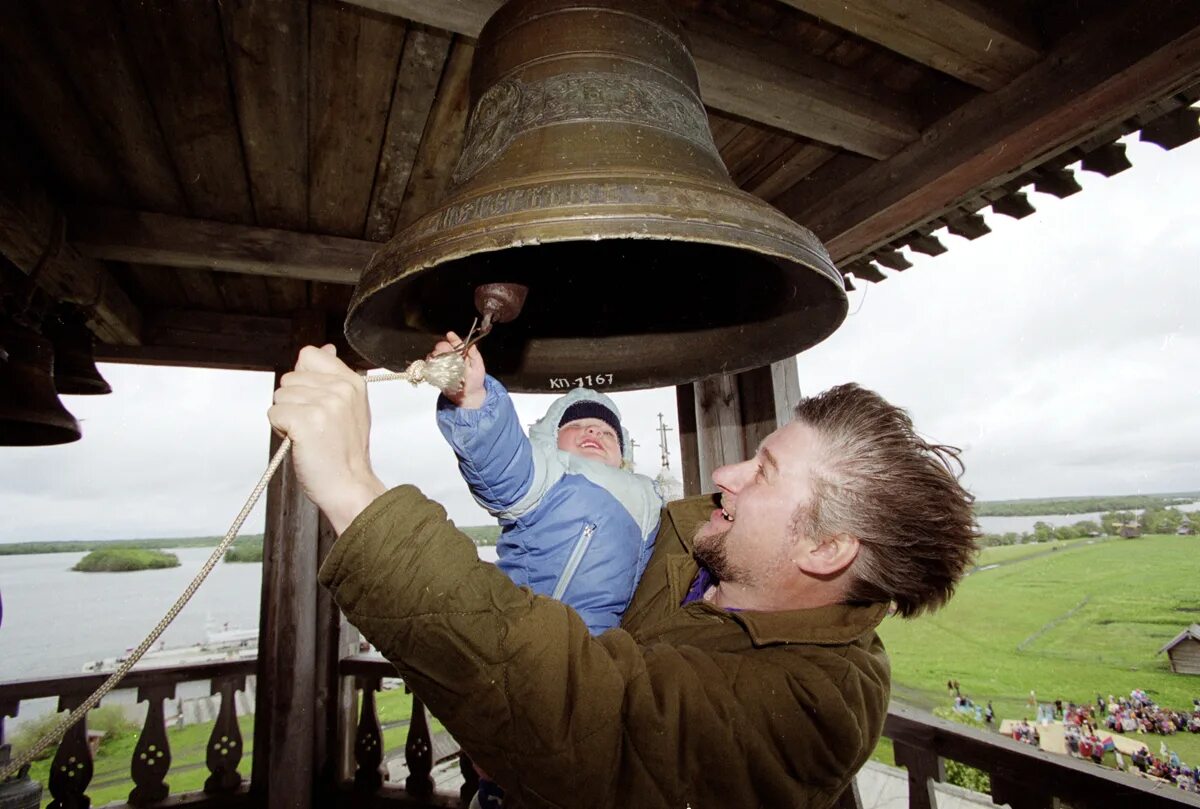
[1061,352]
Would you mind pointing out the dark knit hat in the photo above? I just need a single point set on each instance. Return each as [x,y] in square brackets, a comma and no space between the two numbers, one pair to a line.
[588,409]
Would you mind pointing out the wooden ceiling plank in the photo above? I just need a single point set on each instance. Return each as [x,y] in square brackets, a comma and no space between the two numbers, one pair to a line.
[37,91]
[199,288]
[155,287]
[246,294]
[148,238]
[30,225]
[286,295]
[770,148]
[95,54]
[421,68]
[441,143]
[723,128]
[180,54]
[354,58]
[797,162]
[962,38]
[739,74]
[267,47]
[1094,78]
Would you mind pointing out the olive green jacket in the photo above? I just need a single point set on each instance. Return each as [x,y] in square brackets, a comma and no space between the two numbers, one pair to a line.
[682,706]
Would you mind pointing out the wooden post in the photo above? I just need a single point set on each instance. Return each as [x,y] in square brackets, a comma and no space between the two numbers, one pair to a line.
[286,700]
[925,768]
[689,449]
[785,377]
[337,698]
[734,413]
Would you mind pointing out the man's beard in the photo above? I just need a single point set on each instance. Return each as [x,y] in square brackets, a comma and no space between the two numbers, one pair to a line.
[711,550]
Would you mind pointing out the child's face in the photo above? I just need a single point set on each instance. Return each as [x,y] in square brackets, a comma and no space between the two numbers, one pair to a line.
[591,438]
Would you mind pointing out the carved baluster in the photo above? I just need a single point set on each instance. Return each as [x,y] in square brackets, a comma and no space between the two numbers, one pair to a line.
[925,768]
[470,784]
[8,708]
[152,754]
[850,799]
[225,743]
[368,742]
[71,771]
[18,791]
[418,753]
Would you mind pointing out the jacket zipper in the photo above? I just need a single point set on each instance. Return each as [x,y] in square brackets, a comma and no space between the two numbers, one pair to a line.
[581,546]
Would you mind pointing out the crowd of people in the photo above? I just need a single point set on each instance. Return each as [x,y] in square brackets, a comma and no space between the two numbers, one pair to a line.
[1088,729]
[1139,714]
[1136,714]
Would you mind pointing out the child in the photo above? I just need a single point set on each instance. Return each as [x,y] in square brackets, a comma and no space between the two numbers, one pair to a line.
[577,524]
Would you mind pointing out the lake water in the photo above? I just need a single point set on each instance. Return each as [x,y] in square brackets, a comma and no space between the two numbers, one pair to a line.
[57,619]
[1024,525]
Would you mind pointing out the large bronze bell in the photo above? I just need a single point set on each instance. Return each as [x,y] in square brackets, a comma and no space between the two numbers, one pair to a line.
[75,371]
[589,174]
[30,411]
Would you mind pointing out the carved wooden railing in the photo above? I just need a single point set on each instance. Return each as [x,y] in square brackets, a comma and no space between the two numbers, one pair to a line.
[420,751]
[1021,776]
[71,770]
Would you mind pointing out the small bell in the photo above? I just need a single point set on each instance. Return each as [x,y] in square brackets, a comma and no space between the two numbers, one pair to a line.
[75,370]
[30,411]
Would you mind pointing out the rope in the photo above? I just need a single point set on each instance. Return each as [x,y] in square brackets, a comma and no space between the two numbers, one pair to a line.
[440,371]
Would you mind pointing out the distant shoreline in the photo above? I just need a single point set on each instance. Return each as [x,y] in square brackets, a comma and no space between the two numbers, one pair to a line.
[251,543]
[487,535]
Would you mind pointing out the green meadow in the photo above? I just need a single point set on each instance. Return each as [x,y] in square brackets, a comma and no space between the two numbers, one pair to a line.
[1088,617]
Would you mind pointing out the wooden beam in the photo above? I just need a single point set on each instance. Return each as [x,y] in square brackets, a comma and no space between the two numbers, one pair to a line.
[30,226]
[784,88]
[739,74]
[207,340]
[200,339]
[1104,73]
[148,238]
[962,38]
[464,17]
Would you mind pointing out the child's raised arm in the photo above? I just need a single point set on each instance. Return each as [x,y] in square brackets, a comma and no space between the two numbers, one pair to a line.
[470,393]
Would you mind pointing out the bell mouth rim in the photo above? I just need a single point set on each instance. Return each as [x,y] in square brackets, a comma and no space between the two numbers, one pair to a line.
[827,313]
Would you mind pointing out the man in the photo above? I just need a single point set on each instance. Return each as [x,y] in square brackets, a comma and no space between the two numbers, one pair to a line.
[746,671]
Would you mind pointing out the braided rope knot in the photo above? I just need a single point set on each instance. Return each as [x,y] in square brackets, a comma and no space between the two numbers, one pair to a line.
[442,371]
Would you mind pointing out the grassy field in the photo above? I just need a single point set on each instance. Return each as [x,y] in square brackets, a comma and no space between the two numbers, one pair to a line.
[1067,624]
[1001,554]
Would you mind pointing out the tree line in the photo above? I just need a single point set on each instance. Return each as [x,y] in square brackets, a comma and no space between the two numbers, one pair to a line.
[1154,521]
[1081,505]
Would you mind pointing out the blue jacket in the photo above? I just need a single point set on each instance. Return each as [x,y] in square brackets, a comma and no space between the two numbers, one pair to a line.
[571,527]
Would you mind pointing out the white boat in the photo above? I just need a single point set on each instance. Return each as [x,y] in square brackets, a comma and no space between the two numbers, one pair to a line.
[218,645]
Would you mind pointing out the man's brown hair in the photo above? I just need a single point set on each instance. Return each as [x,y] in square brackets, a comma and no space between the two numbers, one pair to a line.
[877,480]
